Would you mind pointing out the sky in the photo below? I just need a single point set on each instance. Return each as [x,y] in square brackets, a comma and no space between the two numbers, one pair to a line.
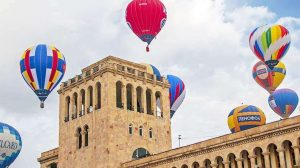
[203,42]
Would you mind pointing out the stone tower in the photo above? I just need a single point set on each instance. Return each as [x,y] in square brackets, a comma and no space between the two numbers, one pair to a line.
[114,112]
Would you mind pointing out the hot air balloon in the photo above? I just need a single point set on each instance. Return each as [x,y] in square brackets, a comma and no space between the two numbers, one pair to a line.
[270,43]
[245,117]
[152,70]
[267,78]
[42,68]
[10,145]
[283,102]
[176,92]
[146,18]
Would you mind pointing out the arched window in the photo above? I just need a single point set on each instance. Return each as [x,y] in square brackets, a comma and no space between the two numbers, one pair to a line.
[195,165]
[219,161]
[119,101]
[184,166]
[67,105]
[139,100]
[259,159]
[82,95]
[158,99]
[140,153]
[130,131]
[150,133]
[86,135]
[246,160]
[75,105]
[149,101]
[232,160]
[289,153]
[79,136]
[90,107]
[274,155]
[141,130]
[129,97]
[53,165]
[207,163]
[98,91]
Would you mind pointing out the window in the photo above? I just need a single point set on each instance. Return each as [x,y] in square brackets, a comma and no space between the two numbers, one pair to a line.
[75,103]
[140,153]
[130,129]
[150,133]
[184,166]
[159,112]
[86,135]
[141,130]
[149,102]
[82,95]
[98,90]
[67,114]
[119,102]
[196,165]
[79,136]
[90,107]
[139,100]
[53,165]
[129,97]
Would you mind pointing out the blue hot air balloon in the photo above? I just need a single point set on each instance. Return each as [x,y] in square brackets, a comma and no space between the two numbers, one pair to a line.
[42,67]
[10,145]
[283,102]
[152,70]
[176,93]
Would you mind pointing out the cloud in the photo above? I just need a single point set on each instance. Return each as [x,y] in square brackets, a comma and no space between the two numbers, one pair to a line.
[203,43]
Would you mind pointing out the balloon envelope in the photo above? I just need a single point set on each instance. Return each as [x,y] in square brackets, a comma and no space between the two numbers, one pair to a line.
[176,93]
[153,70]
[146,18]
[10,145]
[42,67]
[267,78]
[283,102]
[245,117]
[270,43]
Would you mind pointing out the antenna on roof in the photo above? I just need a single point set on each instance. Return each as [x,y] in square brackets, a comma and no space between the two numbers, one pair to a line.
[179,138]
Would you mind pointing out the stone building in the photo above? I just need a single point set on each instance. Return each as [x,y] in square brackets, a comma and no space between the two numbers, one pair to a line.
[109,118]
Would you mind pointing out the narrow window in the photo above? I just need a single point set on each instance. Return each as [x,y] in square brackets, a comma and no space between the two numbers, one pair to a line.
[53,165]
[139,99]
[90,108]
[141,131]
[75,103]
[67,114]
[140,153]
[150,133]
[149,102]
[98,87]
[119,102]
[86,135]
[130,129]
[82,93]
[159,112]
[79,136]
[129,97]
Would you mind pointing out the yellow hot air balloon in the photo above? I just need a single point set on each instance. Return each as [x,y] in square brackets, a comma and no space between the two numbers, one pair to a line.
[267,78]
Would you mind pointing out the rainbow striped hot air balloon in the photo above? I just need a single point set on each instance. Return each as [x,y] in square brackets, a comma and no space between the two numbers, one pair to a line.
[176,93]
[245,117]
[267,78]
[283,102]
[10,145]
[270,43]
[42,68]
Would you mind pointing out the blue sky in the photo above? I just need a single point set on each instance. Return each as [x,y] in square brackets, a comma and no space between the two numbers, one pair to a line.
[283,8]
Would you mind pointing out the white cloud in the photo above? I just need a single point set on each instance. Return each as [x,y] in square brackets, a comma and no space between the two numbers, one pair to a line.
[202,42]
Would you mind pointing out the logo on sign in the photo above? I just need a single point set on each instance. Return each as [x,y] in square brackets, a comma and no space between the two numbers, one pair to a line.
[249,118]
